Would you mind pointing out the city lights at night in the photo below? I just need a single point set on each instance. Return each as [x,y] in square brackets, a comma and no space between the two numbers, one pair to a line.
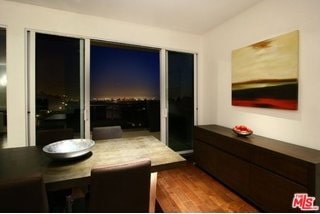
[124,73]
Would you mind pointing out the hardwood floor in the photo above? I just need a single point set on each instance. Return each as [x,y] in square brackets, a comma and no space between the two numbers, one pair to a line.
[189,189]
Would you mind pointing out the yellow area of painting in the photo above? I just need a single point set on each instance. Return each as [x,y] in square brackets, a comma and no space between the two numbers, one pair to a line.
[272,59]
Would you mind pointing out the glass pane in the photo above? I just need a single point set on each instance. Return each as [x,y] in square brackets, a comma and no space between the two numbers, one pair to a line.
[125,88]
[3,88]
[181,100]
[58,100]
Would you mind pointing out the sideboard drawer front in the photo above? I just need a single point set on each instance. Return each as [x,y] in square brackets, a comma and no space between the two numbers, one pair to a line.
[224,143]
[230,170]
[204,156]
[288,167]
[233,147]
[233,171]
[202,134]
[271,192]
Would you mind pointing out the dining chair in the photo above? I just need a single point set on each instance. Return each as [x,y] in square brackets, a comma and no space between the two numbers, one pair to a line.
[57,199]
[121,188]
[24,194]
[47,136]
[107,132]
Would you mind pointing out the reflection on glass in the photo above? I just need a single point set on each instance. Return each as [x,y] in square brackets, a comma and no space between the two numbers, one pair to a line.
[57,87]
[181,100]
[3,88]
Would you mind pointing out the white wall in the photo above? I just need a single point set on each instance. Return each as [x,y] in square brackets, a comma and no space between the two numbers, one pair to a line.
[18,17]
[262,21]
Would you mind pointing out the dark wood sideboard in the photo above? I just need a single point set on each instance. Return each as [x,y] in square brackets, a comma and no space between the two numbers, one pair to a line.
[265,171]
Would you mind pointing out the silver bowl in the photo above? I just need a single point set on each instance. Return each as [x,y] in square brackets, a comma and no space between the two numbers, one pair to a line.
[70,148]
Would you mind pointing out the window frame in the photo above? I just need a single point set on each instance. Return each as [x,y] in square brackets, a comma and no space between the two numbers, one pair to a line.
[30,81]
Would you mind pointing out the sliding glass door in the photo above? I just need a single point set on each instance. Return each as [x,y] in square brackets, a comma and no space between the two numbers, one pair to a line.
[125,88]
[180,71]
[59,98]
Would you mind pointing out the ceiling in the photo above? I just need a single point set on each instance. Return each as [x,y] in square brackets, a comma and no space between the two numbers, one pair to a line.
[192,16]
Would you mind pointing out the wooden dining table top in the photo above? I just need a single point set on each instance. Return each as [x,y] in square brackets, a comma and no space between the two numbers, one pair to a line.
[61,174]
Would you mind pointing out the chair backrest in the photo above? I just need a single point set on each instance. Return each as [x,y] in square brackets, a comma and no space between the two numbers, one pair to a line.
[45,137]
[107,132]
[24,194]
[121,188]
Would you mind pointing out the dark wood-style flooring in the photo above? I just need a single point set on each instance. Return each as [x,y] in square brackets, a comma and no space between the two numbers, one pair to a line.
[189,189]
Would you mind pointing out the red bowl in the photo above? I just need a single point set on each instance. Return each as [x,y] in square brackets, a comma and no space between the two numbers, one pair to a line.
[244,132]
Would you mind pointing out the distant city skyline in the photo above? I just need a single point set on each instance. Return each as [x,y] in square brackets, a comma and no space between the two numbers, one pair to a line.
[123,98]
[124,73]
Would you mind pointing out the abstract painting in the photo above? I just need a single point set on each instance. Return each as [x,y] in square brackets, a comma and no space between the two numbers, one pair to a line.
[265,74]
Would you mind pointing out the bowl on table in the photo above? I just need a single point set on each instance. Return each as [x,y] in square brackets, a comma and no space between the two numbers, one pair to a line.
[66,149]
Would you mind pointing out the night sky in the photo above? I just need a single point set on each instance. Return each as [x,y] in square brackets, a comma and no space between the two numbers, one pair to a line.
[57,65]
[119,72]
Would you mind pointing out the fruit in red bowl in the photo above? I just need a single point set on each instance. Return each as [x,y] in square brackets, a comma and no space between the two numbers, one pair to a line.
[242,130]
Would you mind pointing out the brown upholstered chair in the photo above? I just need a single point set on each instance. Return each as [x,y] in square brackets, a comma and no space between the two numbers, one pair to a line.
[107,132]
[121,188]
[25,194]
[45,137]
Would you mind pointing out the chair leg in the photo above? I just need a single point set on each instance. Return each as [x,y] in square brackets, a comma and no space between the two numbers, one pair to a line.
[69,202]
[153,192]
[76,193]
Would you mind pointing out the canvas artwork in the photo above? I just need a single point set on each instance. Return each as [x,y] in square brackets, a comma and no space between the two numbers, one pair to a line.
[265,74]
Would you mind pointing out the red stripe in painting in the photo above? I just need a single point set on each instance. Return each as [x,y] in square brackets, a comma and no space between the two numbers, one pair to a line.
[267,103]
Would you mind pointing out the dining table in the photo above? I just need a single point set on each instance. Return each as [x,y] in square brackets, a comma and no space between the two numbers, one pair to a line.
[74,172]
